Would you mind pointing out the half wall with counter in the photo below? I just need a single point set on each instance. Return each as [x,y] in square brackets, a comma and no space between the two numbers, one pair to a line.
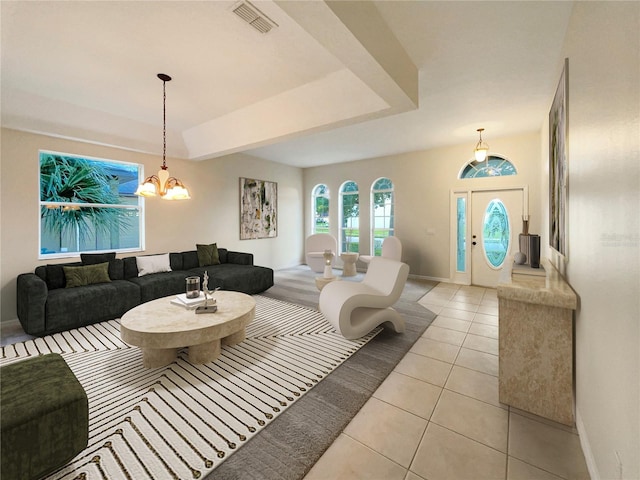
[536,342]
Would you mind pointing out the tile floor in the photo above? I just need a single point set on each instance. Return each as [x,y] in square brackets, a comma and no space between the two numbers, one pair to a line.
[437,415]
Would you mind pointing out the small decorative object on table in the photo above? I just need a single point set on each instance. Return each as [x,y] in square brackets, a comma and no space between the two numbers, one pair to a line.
[210,305]
[193,287]
[328,259]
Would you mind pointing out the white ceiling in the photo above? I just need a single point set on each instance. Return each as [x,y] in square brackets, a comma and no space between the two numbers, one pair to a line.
[333,82]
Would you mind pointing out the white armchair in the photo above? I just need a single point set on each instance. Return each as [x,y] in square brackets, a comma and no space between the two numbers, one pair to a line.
[356,308]
[315,246]
[391,248]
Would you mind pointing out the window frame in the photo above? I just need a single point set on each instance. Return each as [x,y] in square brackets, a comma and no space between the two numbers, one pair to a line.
[498,166]
[314,212]
[341,228]
[138,207]
[389,231]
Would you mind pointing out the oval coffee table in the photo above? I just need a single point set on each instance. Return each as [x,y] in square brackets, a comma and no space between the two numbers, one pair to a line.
[161,328]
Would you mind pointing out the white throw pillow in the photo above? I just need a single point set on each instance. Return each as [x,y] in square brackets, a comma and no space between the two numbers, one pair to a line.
[153,264]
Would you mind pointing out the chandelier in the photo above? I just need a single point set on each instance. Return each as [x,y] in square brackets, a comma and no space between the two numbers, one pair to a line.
[163,184]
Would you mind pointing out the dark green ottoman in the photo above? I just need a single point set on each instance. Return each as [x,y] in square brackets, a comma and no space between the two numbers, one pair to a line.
[44,415]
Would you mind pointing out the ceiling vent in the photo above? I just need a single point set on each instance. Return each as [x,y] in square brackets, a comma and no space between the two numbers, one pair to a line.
[254,17]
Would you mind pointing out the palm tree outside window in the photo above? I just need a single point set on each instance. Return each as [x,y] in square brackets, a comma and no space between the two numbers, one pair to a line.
[88,205]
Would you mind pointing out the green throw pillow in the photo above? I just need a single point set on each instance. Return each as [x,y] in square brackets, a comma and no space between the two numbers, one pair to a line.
[208,255]
[87,274]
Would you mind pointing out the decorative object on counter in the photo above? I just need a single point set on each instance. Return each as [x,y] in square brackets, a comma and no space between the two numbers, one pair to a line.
[328,262]
[520,258]
[193,287]
[534,251]
[523,239]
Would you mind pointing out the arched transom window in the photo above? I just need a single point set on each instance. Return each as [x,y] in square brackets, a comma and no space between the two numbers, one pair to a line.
[382,213]
[493,166]
[320,202]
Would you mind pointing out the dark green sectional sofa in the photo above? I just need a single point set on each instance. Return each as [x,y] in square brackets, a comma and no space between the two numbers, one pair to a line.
[45,306]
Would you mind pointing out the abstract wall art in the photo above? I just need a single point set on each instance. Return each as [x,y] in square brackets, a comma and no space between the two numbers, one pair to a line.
[258,209]
[558,168]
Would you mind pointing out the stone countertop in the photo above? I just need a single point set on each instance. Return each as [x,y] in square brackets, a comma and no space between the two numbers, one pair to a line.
[551,289]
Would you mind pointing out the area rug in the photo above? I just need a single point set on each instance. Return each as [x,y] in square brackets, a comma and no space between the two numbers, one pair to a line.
[182,421]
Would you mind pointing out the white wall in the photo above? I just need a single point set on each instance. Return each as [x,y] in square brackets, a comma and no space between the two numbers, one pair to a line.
[602,44]
[422,182]
[212,215]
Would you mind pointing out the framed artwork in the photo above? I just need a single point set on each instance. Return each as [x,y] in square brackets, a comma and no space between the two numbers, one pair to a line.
[558,171]
[258,209]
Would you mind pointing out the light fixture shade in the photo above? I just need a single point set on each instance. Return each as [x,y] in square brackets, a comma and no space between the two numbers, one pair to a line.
[147,188]
[481,152]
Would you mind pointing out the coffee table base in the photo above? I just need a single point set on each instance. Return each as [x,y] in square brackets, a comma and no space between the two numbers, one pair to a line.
[202,353]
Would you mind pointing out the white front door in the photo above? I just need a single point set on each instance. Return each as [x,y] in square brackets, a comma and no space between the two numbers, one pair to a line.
[496,221]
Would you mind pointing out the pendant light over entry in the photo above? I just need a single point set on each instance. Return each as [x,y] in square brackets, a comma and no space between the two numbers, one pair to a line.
[482,148]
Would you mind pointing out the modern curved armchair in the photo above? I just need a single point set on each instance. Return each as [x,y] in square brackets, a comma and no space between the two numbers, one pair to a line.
[391,248]
[356,308]
[315,246]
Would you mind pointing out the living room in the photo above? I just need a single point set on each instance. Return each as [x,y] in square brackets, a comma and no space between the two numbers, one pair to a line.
[603,229]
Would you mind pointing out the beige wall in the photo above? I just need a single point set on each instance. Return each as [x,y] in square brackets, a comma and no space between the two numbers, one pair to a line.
[604,230]
[212,215]
[423,181]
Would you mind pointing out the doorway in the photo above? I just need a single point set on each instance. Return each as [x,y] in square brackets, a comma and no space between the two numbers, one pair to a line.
[483,242]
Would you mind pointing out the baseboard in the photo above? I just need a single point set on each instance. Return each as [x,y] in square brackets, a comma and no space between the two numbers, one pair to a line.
[586,448]
[425,277]
[14,322]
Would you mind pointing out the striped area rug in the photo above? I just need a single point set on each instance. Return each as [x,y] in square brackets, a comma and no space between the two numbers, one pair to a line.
[182,421]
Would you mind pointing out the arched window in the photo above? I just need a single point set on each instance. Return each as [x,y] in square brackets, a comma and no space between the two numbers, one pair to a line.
[320,201]
[349,217]
[382,213]
[494,166]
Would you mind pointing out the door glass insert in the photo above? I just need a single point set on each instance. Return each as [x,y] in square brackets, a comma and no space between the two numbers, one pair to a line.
[461,248]
[495,233]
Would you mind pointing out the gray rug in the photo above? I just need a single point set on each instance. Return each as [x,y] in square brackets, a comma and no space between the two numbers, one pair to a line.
[293,442]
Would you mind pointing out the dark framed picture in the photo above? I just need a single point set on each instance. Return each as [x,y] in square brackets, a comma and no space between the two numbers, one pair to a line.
[258,209]
[558,171]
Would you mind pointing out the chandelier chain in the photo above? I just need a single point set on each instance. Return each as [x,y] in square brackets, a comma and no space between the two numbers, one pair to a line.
[164,124]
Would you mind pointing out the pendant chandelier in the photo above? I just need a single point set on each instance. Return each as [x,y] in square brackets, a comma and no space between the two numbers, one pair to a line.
[163,184]
[482,149]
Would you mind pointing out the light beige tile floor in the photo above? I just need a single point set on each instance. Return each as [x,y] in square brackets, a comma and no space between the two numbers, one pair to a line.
[437,415]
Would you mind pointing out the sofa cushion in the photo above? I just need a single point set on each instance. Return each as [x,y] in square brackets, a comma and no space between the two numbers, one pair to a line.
[86,275]
[69,308]
[153,264]
[190,260]
[207,255]
[163,284]
[53,275]
[93,258]
[116,266]
[175,261]
[248,279]
[222,255]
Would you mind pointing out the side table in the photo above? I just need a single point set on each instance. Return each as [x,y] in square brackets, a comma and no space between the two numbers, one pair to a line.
[349,263]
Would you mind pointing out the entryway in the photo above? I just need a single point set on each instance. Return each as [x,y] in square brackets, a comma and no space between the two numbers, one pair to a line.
[485,228]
